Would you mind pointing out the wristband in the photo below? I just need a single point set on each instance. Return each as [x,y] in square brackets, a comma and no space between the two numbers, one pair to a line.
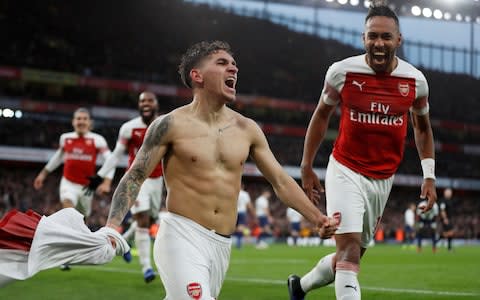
[428,168]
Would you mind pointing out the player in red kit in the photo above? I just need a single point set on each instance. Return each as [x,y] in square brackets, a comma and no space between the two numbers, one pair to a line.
[376,92]
[78,152]
[147,206]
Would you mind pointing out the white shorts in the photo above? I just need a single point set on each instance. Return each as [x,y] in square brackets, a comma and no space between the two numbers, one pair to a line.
[75,192]
[192,261]
[149,198]
[359,199]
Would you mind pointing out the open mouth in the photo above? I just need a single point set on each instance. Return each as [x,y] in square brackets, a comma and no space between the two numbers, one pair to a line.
[230,82]
[379,57]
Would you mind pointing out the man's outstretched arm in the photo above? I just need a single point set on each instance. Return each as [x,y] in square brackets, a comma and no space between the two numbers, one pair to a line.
[149,155]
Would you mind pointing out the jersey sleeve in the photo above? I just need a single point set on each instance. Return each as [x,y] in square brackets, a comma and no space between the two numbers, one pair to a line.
[332,85]
[108,168]
[420,105]
[124,134]
[57,159]
[101,144]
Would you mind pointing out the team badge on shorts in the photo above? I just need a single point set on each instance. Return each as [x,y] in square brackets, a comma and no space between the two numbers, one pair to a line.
[194,290]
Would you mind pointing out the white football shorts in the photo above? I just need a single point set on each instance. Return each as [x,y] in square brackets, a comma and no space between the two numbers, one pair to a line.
[75,192]
[150,197]
[359,199]
[192,261]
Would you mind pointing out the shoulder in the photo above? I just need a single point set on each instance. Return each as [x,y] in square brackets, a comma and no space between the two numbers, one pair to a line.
[135,122]
[406,69]
[127,127]
[355,63]
[243,121]
[163,126]
[338,71]
[68,135]
[96,137]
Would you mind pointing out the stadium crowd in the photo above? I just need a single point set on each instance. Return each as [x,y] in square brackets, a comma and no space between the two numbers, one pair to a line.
[56,37]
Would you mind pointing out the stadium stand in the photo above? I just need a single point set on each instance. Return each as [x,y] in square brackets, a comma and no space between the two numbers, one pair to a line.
[62,55]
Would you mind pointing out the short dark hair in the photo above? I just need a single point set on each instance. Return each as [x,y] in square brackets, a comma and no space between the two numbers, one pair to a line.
[195,54]
[81,110]
[380,9]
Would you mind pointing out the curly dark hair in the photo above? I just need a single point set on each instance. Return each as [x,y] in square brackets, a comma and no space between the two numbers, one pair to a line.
[195,54]
[379,8]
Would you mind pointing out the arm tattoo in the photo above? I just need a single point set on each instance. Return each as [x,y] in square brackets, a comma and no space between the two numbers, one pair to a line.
[129,186]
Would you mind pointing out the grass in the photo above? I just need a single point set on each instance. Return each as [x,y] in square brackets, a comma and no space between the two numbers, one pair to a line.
[387,272]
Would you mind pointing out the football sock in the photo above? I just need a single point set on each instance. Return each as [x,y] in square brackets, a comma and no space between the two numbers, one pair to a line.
[346,284]
[130,231]
[321,275]
[142,241]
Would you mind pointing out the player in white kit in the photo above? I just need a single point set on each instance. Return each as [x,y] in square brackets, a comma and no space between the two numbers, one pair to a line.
[204,146]
[147,205]
[244,206]
[376,92]
[295,221]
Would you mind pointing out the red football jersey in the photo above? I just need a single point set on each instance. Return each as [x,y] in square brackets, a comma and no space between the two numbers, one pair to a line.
[132,134]
[80,155]
[374,113]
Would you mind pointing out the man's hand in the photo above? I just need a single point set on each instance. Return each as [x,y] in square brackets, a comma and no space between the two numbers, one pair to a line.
[328,226]
[311,184]
[95,181]
[38,181]
[105,187]
[428,191]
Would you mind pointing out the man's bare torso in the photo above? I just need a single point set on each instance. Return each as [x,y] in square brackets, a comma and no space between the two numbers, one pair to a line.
[203,167]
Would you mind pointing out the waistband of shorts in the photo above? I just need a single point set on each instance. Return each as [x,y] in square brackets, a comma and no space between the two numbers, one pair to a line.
[173,218]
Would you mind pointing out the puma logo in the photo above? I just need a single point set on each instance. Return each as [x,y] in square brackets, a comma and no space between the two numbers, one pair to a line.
[360,85]
[351,286]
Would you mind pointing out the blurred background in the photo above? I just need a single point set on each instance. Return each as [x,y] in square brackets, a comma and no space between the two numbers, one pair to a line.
[56,56]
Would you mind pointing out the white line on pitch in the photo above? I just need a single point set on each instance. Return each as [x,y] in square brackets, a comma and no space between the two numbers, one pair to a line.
[283,282]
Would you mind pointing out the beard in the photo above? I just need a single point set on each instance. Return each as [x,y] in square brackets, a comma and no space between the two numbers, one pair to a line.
[381,63]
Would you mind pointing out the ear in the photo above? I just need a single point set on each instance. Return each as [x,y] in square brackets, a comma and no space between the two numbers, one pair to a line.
[196,76]
[400,39]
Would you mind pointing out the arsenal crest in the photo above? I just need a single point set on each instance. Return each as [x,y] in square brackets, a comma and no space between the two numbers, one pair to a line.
[194,290]
[403,88]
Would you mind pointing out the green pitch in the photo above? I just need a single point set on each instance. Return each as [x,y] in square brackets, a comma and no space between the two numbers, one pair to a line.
[387,272]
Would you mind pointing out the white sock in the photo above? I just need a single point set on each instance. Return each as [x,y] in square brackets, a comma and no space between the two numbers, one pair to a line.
[128,234]
[142,241]
[347,286]
[321,275]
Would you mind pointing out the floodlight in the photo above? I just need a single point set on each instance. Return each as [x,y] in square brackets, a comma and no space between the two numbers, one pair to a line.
[427,12]
[437,14]
[354,2]
[416,10]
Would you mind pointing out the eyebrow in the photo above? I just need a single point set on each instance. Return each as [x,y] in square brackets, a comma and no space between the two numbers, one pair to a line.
[223,59]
